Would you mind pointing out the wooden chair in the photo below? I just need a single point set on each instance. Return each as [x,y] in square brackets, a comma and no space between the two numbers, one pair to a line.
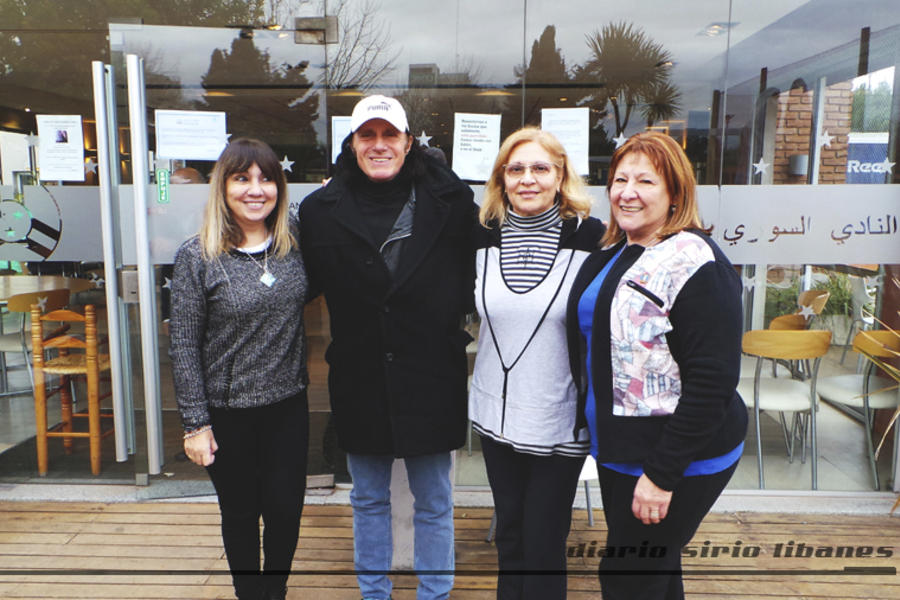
[785,395]
[794,322]
[812,303]
[86,362]
[866,391]
[20,341]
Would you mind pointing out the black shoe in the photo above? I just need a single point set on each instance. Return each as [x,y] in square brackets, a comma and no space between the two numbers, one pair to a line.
[275,594]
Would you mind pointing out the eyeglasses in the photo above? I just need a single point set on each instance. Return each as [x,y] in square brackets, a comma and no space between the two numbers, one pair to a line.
[538,169]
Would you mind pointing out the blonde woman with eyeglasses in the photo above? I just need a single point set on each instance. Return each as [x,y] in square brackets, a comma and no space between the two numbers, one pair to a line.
[534,233]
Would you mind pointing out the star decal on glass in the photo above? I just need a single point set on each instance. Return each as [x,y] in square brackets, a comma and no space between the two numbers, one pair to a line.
[90,166]
[424,139]
[287,164]
[760,167]
[621,139]
[806,311]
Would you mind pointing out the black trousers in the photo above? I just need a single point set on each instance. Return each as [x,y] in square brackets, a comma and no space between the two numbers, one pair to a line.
[260,471]
[533,498]
[643,562]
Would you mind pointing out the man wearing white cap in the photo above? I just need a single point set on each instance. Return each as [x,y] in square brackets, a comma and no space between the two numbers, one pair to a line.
[388,242]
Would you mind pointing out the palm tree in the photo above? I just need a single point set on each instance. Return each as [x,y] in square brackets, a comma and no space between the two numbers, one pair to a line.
[662,102]
[629,68]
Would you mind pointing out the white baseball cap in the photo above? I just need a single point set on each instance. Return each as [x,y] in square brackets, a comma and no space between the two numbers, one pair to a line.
[378,107]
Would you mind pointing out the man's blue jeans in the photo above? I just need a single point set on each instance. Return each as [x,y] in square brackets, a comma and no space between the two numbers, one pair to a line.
[429,482]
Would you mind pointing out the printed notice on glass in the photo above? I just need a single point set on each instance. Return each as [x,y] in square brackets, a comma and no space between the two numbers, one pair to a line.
[340,128]
[571,128]
[190,134]
[60,148]
[476,139]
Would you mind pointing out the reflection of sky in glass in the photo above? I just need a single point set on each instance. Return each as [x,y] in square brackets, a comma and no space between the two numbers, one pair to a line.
[485,38]
[487,35]
[183,53]
[876,78]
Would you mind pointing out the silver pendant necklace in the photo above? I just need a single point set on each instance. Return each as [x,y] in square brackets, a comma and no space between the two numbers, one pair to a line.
[267,279]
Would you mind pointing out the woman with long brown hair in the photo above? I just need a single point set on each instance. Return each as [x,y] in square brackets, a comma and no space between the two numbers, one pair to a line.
[239,361]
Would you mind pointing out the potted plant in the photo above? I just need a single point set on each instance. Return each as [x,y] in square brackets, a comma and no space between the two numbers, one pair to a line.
[838,312]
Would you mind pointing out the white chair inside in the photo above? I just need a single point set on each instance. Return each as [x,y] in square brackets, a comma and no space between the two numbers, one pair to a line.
[785,395]
[866,392]
[862,301]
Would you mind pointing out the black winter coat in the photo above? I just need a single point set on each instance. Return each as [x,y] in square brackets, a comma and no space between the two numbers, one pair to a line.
[397,359]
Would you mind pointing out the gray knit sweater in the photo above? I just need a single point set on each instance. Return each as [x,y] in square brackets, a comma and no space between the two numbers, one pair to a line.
[235,342]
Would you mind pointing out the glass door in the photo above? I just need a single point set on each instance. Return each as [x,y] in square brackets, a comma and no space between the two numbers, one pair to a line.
[268,84]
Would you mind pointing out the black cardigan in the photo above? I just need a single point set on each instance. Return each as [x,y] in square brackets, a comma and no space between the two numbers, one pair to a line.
[705,341]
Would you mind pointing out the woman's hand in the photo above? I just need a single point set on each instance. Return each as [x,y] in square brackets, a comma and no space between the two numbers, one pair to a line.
[201,448]
[650,503]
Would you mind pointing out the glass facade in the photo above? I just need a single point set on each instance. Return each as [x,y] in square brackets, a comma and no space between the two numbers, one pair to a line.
[770,100]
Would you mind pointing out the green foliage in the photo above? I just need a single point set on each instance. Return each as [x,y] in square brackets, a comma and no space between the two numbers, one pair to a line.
[871,108]
[781,301]
[840,300]
[46,46]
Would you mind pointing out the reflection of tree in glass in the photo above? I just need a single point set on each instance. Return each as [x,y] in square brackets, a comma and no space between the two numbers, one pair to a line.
[632,69]
[47,47]
[261,100]
[547,64]
[871,108]
[274,103]
[362,56]
[545,76]
[661,102]
[163,91]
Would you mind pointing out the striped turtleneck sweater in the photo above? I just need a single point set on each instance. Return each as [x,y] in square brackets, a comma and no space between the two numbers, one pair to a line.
[528,248]
[522,393]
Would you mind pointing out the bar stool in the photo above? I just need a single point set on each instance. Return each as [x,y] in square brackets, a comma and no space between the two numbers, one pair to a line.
[86,362]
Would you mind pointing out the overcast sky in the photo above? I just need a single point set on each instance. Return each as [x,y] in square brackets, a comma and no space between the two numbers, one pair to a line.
[489,35]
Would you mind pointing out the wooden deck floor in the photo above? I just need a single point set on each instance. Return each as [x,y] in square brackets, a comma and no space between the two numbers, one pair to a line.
[163,550]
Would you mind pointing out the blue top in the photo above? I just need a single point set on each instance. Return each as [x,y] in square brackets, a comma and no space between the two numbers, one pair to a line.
[585,323]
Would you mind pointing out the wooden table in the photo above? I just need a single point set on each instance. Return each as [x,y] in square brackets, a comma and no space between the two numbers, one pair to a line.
[10,285]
